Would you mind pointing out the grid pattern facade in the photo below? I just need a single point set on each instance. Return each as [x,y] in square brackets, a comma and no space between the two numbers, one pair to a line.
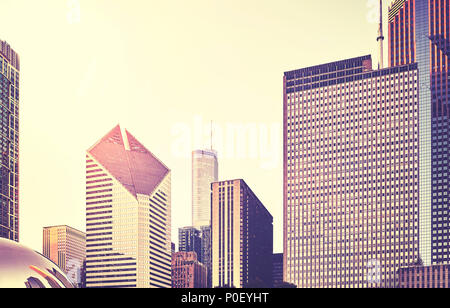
[128,214]
[424,277]
[242,237]
[187,271]
[419,32]
[204,172]
[351,164]
[189,240]
[66,247]
[9,142]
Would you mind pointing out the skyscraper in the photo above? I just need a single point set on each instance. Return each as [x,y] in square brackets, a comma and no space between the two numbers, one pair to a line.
[187,271]
[351,164]
[204,172]
[66,247]
[242,237]
[419,32]
[189,240]
[9,142]
[128,215]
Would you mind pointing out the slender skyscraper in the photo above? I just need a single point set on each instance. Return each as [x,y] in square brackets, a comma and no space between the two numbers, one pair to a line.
[128,215]
[419,31]
[66,247]
[242,237]
[351,168]
[204,172]
[9,142]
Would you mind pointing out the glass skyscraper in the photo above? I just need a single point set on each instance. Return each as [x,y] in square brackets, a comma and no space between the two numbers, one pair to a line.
[9,142]
[204,172]
[351,164]
[419,32]
[128,215]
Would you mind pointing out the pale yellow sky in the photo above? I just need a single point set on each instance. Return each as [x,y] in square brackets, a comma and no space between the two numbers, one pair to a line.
[156,67]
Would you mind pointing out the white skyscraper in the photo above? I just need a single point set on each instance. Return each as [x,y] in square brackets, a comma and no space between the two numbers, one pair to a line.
[204,172]
[128,215]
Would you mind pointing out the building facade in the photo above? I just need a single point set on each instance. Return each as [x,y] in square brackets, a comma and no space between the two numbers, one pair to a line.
[277,269]
[66,247]
[204,172]
[242,237]
[424,277]
[419,32]
[189,240]
[187,271]
[351,164]
[205,257]
[128,215]
[9,142]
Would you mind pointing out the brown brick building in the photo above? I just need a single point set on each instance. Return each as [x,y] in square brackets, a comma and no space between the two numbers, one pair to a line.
[187,271]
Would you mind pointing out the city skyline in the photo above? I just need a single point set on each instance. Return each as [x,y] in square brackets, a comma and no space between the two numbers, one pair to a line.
[90,77]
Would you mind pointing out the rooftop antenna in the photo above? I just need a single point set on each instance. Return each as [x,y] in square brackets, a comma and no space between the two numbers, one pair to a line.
[380,37]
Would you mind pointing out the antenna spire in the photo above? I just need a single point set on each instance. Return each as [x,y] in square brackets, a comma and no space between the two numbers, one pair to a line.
[380,38]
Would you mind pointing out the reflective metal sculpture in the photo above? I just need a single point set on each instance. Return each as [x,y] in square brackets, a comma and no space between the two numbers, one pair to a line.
[21,267]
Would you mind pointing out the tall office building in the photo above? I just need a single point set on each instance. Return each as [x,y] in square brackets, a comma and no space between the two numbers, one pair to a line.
[128,215]
[9,142]
[204,172]
[419,32]
[351,168]
[205,256]
[187,271]
[66,247]
[242,237]
[189,240]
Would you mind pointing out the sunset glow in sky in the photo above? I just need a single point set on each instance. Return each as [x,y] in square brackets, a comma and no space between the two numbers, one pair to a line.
[164,70]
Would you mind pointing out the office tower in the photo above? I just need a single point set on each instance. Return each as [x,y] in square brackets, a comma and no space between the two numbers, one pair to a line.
[204,172]
[277,269]
[66,247]
[419,32]
[189,240]
[351,164]
[128,215]
[172,248]
[205,256]
[242,237]
[187,271]
[9,142]
[424,277]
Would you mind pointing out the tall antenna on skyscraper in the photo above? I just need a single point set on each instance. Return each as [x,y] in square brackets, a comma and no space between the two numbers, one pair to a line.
[380,37]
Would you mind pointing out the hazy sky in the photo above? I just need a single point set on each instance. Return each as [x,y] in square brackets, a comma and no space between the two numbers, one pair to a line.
[161,68]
